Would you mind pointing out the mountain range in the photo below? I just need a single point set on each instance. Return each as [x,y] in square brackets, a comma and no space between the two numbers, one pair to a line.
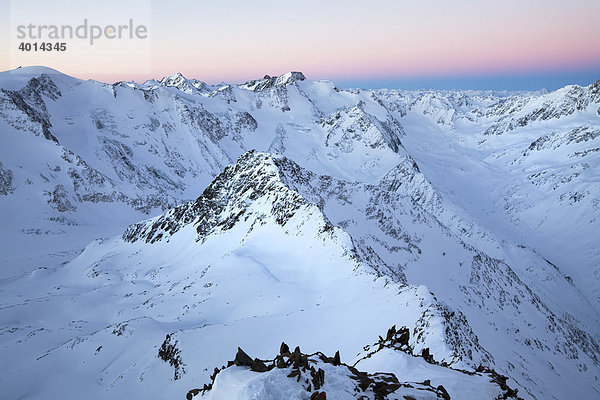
[443,243]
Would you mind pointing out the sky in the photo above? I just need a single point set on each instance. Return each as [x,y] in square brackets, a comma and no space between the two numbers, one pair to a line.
[485,44]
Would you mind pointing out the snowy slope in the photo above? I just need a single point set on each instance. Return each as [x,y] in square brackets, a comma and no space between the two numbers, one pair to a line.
[524,165]
[204,268]
[95,152]
[469,217]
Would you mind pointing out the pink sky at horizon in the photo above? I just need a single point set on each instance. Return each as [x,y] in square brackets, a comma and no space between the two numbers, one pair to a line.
[236,40]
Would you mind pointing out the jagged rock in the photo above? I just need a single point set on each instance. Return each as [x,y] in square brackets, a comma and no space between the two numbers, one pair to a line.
[426,356]
[242,359]
[192,393]
[258,366]
[336,358]
[442,391]
[318,377]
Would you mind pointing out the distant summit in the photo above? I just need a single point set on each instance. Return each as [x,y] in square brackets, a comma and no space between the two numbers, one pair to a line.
[180,82]
[273,81]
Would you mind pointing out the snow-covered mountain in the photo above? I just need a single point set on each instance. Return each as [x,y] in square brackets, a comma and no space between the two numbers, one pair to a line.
[291,210]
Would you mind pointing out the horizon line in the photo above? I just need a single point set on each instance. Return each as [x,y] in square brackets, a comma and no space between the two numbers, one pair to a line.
[516,81]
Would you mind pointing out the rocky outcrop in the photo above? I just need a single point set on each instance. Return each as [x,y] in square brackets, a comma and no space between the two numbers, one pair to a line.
[314,372]
[311,372]
[169,353]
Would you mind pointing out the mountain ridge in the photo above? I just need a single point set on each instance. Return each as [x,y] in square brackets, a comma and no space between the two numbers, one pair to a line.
[399,205]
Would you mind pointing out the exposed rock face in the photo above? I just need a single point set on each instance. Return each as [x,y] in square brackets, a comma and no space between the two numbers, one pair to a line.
[30,102]
[169,353]
[6,181]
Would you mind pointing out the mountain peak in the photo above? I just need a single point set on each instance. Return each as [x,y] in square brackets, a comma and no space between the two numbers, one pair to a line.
[184,84]
[173,80]
[290,77]
[34,70]
[253,176]
[273,81]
